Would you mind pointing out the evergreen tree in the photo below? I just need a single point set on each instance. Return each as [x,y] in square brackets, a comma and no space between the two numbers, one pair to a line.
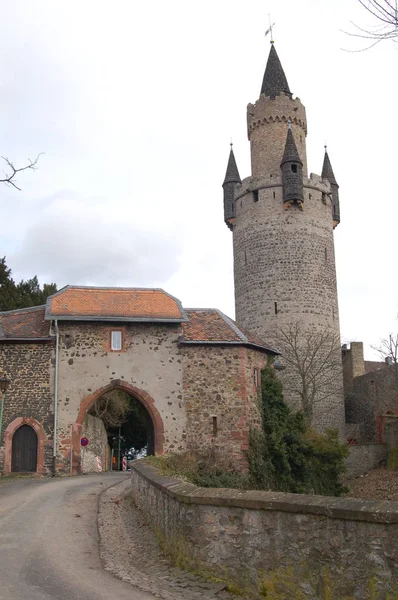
[25,293]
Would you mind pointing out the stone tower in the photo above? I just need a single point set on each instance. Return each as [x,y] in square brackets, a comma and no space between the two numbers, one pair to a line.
[282,223]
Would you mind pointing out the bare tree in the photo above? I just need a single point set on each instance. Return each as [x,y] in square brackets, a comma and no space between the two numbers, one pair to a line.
[385,15]
[11,171]
[388,349]
[313,366]
[112,408]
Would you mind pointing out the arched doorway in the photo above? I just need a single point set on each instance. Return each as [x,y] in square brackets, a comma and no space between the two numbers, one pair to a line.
[156,433]
[24,450]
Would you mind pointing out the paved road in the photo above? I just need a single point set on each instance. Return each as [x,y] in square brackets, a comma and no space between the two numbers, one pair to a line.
[49,541]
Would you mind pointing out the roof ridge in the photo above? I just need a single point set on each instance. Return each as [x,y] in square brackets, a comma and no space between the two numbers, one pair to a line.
[111,288]
[27,309]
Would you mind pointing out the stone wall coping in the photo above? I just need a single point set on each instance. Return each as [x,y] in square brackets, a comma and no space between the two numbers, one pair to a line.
[353,509]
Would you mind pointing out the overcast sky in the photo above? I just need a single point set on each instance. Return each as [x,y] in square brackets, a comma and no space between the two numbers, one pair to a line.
[134,105]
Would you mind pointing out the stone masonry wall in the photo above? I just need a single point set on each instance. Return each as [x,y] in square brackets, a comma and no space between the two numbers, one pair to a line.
[94,430]
[150,361]
[364,457]
[29,367]
[353,364]
[220,397]
[275,545]
[374,395]
[267,132]
[285,273]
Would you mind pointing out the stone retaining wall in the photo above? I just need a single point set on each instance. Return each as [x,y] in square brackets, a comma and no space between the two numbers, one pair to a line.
[274,545]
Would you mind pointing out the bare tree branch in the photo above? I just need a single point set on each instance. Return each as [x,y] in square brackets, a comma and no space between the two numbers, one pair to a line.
[388,349]
[385,13]
[313,361]
[9,176]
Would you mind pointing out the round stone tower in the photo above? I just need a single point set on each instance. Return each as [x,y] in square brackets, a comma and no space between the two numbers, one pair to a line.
[284,263]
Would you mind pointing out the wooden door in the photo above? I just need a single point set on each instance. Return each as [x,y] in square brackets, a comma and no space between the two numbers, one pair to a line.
[24,450]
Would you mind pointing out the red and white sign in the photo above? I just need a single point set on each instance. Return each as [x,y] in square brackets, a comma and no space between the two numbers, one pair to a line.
[99,464]
[124,463]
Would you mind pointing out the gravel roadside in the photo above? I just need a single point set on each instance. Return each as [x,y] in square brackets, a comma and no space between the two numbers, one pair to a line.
[130,550]
[379,484]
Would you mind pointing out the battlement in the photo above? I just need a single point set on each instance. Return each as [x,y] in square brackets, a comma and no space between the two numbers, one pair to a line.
[280,110]
[252,184]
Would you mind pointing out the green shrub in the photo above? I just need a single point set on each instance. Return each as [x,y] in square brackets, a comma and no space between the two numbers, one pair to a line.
[209,468]
[392,462]
[287,456]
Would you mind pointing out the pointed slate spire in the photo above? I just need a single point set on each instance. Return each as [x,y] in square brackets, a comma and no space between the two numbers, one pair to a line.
[327,173]
[274,81]
[232,173]
[291,153]
[232,177]
[292,172]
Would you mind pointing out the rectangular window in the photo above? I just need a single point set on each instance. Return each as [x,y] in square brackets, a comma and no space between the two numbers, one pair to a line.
[256,377]
[116,340]
[215,427]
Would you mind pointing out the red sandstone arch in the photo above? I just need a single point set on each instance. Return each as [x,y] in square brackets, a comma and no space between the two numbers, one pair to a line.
[117,384]
[42,440]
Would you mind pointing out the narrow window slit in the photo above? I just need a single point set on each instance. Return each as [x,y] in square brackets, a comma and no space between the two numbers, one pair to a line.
[276,307]
[215,427]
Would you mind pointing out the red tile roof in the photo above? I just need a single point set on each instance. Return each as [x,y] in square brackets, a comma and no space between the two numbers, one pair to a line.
[211,326]
[24,323]
[127,304]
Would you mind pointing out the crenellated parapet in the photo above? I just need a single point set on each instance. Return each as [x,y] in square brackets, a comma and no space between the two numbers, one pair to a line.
[266,129]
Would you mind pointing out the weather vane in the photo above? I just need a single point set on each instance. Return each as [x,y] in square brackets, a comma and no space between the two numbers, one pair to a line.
[269,30]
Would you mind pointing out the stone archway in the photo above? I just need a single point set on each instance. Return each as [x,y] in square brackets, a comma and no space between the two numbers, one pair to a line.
[41,438]
[146,400]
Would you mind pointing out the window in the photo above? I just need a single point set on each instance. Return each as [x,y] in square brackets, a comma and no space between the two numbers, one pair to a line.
[256,377]
[294,168]
[116,340]
[215,427]
[255,195]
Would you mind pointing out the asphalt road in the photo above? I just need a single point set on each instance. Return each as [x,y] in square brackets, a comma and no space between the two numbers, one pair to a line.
[49,541]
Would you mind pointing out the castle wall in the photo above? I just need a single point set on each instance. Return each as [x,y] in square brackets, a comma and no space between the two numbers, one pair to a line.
[94,430]
[29,367]
[220,397]
[271,544]
[150,361]
[374,397]
[353,364]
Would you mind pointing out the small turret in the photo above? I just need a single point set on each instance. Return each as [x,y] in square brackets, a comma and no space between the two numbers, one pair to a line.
[327,173]
[274,81]
[232,177]
[292,173]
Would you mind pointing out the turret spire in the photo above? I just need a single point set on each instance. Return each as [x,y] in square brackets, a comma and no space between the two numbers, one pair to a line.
[232,177]
[291,153]
[232,173]
[274,81]
[292,172]
[327,173]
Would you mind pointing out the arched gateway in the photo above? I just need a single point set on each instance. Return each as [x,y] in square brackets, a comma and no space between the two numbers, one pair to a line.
[117,384]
